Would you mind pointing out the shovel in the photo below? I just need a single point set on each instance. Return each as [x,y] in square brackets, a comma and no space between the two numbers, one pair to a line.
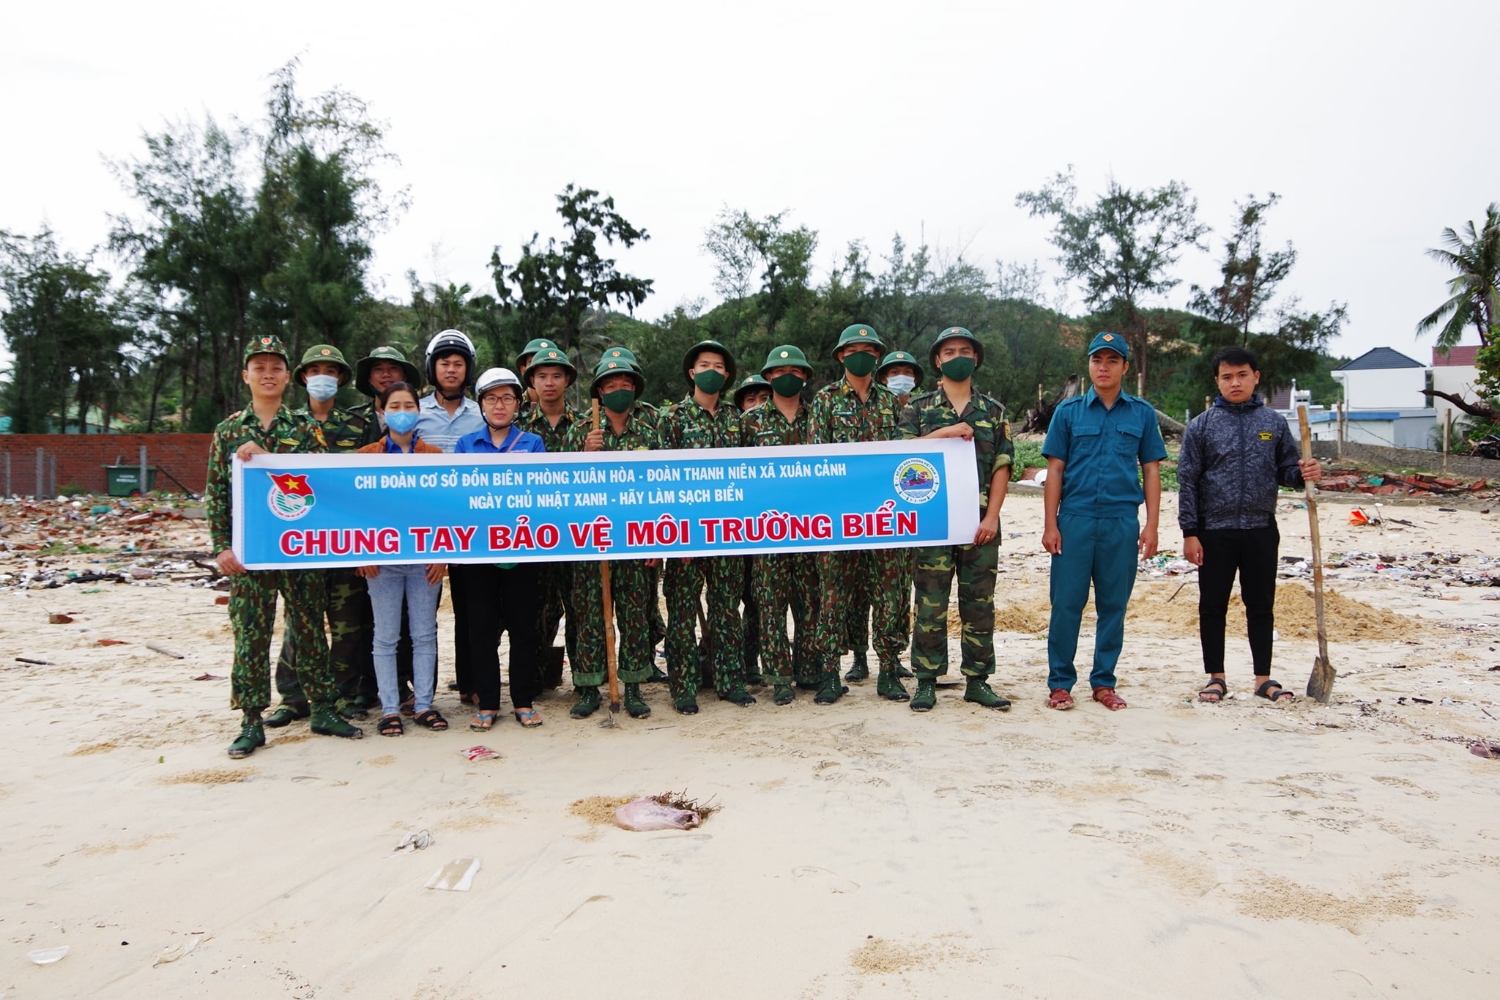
[1320,684]
[608,602]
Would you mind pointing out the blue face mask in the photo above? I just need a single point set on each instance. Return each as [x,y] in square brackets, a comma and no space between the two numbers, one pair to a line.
[901,384]
[401,421]
[321,387]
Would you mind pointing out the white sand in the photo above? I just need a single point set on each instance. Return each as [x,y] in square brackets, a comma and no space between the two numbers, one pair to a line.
[1171,850]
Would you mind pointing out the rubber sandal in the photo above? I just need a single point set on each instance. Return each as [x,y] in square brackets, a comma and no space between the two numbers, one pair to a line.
[432,719]
[1060,699]
[1217,688]
[409,706]
[390,725]
[1280,694]
[1107,697]
[528,717]
[483,722]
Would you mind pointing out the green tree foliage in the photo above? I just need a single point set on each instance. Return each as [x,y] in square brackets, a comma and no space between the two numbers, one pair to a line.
[1474,292]
[438,307]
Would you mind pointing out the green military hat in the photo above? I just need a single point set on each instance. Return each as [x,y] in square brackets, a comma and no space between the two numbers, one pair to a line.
[859,333]
[609,367]
[708,347]
[321,353]
[532,346]
[411,375]
[900,358]
[621,354]
[266,345]
[549,356]
[956,333]
[1109,342]
[751,382]
[786,354]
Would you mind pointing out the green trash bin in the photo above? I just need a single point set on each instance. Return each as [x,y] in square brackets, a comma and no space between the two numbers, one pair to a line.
[125,480]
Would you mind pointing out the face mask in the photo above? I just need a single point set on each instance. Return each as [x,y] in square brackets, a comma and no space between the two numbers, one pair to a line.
[788,384]
[901,384]
[401,421]
[710,381]
[958,369]
[859,363]
[618,401]
[321,387]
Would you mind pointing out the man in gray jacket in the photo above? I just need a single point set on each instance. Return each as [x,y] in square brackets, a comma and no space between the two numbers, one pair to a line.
[1234,457]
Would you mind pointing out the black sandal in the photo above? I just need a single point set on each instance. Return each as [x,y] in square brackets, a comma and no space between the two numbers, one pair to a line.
[432,719]
[390,725]
[1274,696]
[1215,687]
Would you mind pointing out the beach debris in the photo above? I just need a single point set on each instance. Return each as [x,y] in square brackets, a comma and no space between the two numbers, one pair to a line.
[419,841]
[208,677]
[180,949]
[112,642]
[34,662]
[164,651]
[46,956]
[1486,749]
[456,876]
[57,618]
[479,753]
[1384,484]
[668,811]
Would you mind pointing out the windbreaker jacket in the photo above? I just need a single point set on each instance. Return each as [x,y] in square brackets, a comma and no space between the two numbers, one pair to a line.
[1234,458]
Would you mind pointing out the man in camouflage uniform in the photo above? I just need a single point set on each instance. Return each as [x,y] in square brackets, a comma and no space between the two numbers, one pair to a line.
[265,426]
[753,391]
[789,579]
[857,408]
[523,362]
[379,370]
[623,426]
[956,409]
[548,416]
[704,419]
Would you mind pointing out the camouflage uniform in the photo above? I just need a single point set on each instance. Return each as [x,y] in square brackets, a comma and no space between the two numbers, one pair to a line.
[787,579]
[839,416]
[687,425]
[556,603]
[974,564]
[252,595]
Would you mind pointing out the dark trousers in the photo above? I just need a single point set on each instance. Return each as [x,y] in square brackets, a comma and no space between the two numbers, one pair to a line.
[458,578]
[494,598]
[1251,552]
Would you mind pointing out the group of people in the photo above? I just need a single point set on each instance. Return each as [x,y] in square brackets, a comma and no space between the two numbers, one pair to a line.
[726,622]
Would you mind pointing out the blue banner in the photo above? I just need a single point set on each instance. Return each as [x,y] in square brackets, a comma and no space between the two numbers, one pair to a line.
[307,511]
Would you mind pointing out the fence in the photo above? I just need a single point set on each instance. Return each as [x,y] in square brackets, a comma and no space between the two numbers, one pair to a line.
[40,464]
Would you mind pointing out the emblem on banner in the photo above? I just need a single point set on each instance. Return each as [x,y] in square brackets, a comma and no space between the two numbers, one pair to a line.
[291,497]
[916,480]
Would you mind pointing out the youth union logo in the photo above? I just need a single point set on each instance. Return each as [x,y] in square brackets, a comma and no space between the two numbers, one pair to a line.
[290,496]
[916,480]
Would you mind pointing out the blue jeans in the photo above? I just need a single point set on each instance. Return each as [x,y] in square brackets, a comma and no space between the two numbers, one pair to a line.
[386,591]
[1101,551]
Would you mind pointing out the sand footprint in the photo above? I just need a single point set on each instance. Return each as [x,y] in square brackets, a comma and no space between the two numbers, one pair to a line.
[822,877]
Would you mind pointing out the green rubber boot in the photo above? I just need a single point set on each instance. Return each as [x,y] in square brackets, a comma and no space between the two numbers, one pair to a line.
[350,708]
[686,704]
[783,694]
[979,692]
[738,696]
[252,736]
[926,696]
[904,673]
[326,722]
[890,688]
[860,671]
[831,690]
[286,714]
[634,703]
[587,703]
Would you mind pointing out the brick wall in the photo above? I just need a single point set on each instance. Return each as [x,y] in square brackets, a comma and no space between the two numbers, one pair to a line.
[81,458]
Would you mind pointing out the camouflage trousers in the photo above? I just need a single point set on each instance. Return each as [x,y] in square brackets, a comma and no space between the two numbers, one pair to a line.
[252,614]
[557,606]
[840,575]
[349,638]
[975,566]
[682,581]
[750,619]
[860,607]
[628,586]
[658,625]
[783,582]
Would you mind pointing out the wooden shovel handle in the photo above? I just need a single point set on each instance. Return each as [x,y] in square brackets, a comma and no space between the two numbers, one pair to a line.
[607,603]
[1317,542]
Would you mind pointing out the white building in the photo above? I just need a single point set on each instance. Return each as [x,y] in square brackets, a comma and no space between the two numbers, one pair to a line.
[1456,373]
[1383,400]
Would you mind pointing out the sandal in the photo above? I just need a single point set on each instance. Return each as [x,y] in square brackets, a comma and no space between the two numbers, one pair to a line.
[1214,691]
[432,719]
[1060,699]
[1280,694]
[1107,697]
[390,725]
[528,717]
[409,706]
[483,722]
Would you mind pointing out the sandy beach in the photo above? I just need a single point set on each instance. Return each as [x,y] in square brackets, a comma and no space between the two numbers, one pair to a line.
[1174,849]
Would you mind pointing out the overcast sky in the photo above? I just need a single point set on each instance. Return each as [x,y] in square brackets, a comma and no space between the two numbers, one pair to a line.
[1372,120]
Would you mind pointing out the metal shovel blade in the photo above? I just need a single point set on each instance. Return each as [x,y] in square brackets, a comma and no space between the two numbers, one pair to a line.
[1320,684]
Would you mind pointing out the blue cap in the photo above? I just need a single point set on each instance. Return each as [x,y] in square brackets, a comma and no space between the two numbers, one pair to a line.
[1109,342]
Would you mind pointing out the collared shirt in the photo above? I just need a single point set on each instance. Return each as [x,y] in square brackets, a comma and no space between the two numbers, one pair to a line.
[344,430]
[1103,449]
[390,447]
[288,434]
[437,428]
[686,424]
[993,449]
[536,422]
[766,425]
[839,416]
[640,433]
[481,442]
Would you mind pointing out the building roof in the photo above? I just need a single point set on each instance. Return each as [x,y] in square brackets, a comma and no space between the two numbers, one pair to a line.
[1466,355]
[1379,358]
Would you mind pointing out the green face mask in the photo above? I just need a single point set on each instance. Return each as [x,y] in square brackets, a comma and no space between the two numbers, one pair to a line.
[618,401]
[709,381]
[788,384]
[958,369]
[859,363]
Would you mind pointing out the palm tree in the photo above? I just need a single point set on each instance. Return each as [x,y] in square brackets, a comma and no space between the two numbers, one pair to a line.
[1475,298]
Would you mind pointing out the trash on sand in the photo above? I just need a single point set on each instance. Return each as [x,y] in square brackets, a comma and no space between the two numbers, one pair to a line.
[480,753]
[208,677]
[456,876]
[34,663]
[112,642]
[668,811]
[419,841]
[173,952]
[59,619]
[221,599]
[46,956]
[164,651]
[1483,748]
